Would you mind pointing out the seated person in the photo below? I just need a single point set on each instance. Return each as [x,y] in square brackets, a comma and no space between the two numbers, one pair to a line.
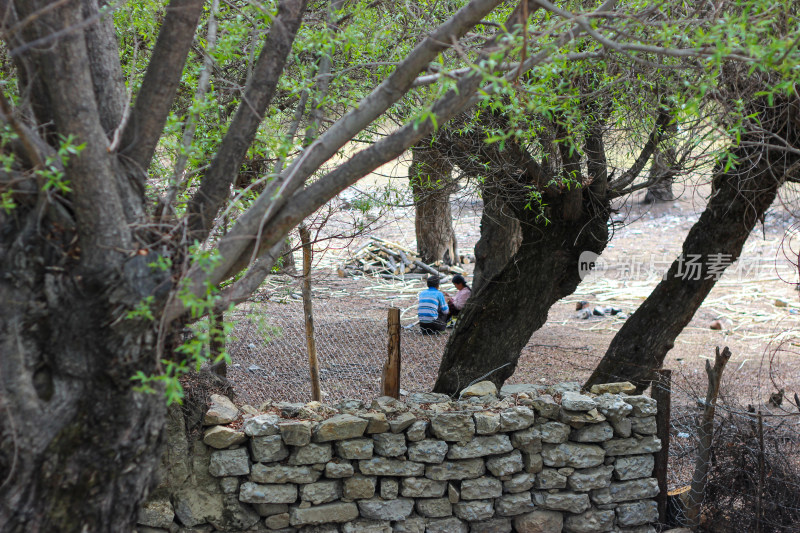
[456,303]
[432,309]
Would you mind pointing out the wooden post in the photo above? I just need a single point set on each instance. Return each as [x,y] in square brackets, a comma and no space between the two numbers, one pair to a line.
[390,382]
[305,239]
[705,436]
[216,344]
[661,392]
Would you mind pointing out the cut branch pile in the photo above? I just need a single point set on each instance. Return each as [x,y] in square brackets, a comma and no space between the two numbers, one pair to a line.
[390,260]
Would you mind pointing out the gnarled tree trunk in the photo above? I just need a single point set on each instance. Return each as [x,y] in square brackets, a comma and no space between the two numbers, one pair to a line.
[500,239]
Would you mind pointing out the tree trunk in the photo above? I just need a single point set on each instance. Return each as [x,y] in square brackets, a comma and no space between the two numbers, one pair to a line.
[739,199]
[500,239]
[432,185]
[499,319]
[663,170]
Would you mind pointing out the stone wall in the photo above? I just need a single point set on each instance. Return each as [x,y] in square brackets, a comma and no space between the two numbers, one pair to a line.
[534,459]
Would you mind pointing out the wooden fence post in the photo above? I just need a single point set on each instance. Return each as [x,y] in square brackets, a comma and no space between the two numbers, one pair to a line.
[390,382]
[305,239]
[661,392]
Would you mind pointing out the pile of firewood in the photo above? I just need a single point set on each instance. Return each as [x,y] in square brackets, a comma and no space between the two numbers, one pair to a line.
[390,260]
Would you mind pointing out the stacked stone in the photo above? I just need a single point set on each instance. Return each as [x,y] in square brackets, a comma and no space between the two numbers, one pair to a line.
[534,460]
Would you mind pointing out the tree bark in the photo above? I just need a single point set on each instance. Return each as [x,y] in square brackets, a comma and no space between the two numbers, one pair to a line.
[431,183]
[501,236]
[739,199]
[663,171]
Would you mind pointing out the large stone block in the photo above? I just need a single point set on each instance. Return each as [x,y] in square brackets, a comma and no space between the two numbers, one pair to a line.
[390,444]
[355,449]
[532,462]
[563,501]
[539,522]
[420,487]
[446,525]
[339,512]
[632,446]
[283,474]
[377,509]
[637,513]
[221,437]
[528,440]
[505,465]
[381,466]
[553,432]
[340,427]
[546,406]
[453,427]
[417,431]
[400,422]
[296,432]
[474,510]
[574,455]
[390,488]
[513,504]
[235,515]
[320,492]
[262,425]
[449,470]
[591,478]
[481,488]
[486,422]
[623,491]
[477,390]
[613,388]
[434,507]
[592,521]
[593,433]
[427,451]
[311,454]
[494,525]
[268,449]
[642,405]
[378,423]
[645,425]
[229,463]
[367,526]
[519,483]
[277,521]
[156,513]
[251,492]
[221,411]
[516,418]
[550,478]
[480,447]
[269,509]
[412,524]
[194,507]
[338,468]
[359,487]
[613,407]
[633,467]
[575,401]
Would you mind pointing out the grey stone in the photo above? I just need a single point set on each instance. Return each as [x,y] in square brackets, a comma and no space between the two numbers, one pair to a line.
[427,451]
[390,488]
[359,487]
[338,469]
[221,437]
[256,493]
[645,425]
[311,454]
[632,446]
[513,504]
[390,444]
[349,405]
[613,407]
[453,493]
[465,469]
[642,405]
[229,463]
[633,467]
[412,524]
[474,510]
[262,425]
[561,388]
[481,447]
[340,427]
[527,388]
[546,406]
[378,422]
[320,492]
[355,449]
[457,426]
[593,433]
[367,526]
[622,491]
[563,501]
[505,465]
[339,512]
[481,488]
[528,440]
[622,427]
[194,507]
[637,513]
[614,388]
[277,521]
[591,478]
[575,401]
[319,528]
[486,422]
[235,516]
[519,483]
[221,411]
[417,431]
[516,418]
[495,525]
[532,462]
[377,509]
[577,419]
[269,509]
[539,522]
[381,466]
[434,507]
[574,455]
[268,449]
[156,513]
[401,422]
[283,474]
[420,487]
[387,404]
[592,521]
[296,432]
[446,525]
[482,388]
[550,478]
[229,485]
[427,397]
[553,432]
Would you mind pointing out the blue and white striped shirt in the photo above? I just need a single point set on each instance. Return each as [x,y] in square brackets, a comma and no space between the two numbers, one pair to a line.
[431,303]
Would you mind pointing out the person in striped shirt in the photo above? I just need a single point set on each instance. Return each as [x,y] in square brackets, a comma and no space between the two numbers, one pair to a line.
[432,310]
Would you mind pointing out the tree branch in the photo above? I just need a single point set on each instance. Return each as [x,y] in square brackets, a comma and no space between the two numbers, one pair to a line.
[655,137]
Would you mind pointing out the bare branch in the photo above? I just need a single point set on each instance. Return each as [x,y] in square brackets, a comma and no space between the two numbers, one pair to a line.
[655,137]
